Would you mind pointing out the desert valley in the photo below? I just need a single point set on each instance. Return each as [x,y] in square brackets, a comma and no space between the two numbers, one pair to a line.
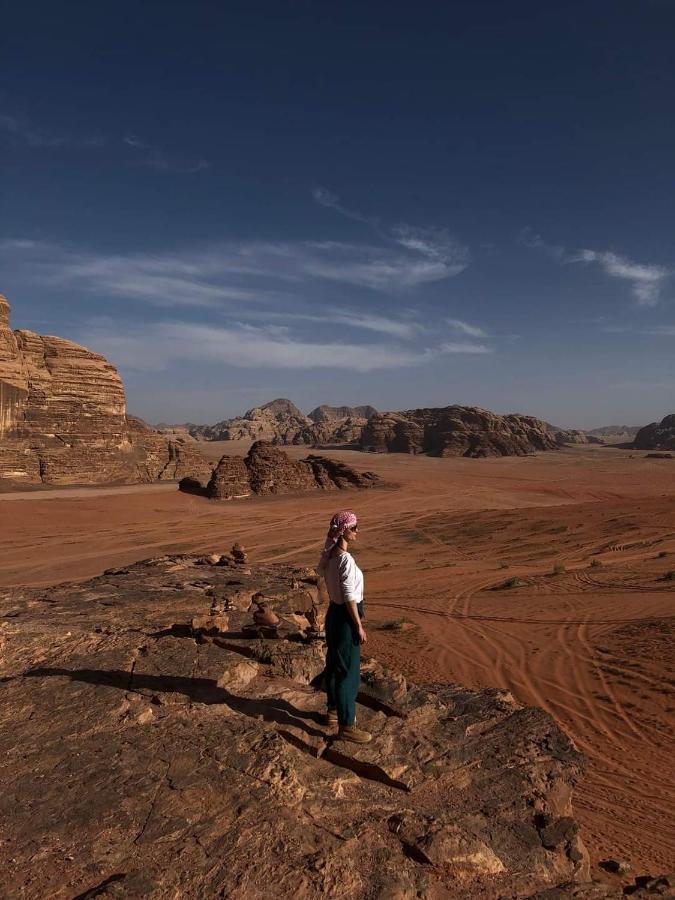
[509,565]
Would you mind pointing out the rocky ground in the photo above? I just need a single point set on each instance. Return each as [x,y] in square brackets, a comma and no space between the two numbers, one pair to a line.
[156,742]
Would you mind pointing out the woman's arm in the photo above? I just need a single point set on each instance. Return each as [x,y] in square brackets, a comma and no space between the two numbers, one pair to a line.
[350,593]
[354,613]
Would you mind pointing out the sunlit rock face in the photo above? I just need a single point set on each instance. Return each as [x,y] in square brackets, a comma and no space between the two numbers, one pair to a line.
[63,418]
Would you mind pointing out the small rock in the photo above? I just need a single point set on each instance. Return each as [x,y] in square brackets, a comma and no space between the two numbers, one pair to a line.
[265,616]
[617,866]
[218,624]
[239,554]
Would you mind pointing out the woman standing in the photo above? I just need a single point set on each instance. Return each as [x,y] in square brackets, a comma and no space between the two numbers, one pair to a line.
[344,632]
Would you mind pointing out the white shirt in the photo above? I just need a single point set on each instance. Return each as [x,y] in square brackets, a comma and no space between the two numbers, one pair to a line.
[344,579]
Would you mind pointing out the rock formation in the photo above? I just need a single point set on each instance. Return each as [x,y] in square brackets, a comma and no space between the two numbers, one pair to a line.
[278,420]
[268,470]
[149,748]
[281,422]
[615,433]
[657,436]
[332,432]
[456,431]
[63,418]
[332,413]
[565,436]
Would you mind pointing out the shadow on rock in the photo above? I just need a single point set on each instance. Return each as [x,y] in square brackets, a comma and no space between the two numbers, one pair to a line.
[198,690]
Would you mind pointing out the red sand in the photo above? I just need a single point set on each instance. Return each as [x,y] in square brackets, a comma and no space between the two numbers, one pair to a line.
[591,644]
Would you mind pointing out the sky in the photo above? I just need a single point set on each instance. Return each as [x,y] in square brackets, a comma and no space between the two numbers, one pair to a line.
[389,203]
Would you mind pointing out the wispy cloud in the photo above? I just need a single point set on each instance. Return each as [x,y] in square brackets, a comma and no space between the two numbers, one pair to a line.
[20,131]
[441,255]
[244,346]
[464,347]
[214,273]
[156,159]
[466,328]
[646,280]
[326,198]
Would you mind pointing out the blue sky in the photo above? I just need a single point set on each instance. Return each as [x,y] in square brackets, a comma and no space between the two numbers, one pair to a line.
[397,204]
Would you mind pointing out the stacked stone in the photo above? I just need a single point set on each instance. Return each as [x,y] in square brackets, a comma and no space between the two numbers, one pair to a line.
[239,554]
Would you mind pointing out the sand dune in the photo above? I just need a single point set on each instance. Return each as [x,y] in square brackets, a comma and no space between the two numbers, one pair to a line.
[586,632]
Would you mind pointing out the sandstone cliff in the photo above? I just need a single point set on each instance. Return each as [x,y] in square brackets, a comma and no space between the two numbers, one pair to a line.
[456,431]
[657,436]
[63,421]
[268,470]
[156,743]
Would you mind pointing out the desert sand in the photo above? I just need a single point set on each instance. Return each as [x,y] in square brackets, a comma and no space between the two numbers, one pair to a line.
[584,629]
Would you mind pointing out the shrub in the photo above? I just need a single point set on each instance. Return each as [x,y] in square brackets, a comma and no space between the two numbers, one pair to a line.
[559,569]
[595,563]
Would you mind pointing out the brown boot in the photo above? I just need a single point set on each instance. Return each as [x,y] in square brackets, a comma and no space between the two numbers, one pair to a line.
[354,734]
[332,718]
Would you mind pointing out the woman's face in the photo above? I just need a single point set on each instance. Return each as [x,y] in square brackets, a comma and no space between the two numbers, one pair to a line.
[351,534]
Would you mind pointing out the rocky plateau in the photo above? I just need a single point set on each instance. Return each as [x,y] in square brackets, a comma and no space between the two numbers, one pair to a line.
[158,742]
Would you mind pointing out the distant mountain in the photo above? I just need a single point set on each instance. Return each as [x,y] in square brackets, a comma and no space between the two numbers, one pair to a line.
[611,430]
[280,408]
[330,413]
[281,422]
[456,431]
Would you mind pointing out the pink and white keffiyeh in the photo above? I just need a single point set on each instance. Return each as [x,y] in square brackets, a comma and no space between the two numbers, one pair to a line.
[340,521]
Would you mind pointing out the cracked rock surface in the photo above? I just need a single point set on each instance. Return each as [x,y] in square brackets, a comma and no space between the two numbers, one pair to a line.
[145,753]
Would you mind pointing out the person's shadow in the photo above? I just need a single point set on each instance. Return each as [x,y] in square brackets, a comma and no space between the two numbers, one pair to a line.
[199,690]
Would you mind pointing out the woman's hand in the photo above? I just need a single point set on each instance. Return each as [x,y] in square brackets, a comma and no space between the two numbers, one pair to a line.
[362,635]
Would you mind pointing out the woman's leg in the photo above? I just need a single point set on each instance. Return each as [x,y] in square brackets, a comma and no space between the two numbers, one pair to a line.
[329,674]
[345,665]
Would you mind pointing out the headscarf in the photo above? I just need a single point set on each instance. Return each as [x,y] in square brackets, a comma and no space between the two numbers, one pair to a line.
[340,521]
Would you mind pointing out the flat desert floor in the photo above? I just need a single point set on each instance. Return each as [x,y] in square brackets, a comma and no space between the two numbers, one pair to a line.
[547,576]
